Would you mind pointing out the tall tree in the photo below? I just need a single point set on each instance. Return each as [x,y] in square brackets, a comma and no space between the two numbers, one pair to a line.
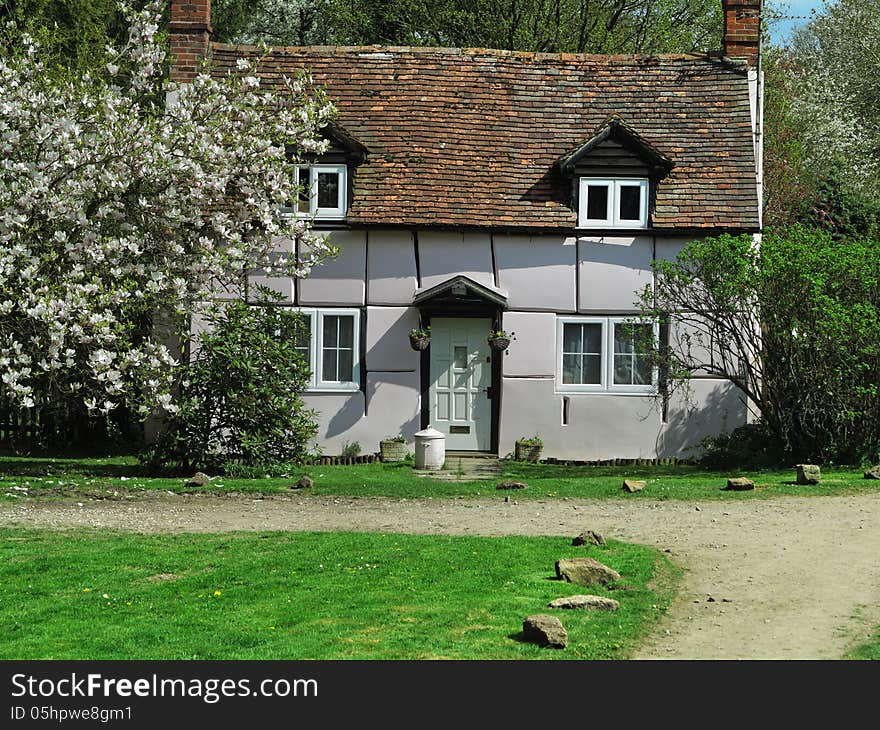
[835,61]
[596,26]
[794,324]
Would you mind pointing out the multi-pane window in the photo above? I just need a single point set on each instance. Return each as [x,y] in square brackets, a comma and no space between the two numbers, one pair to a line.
[582,353]
[304,338]
[337,348]
[322,191]
[604,354]
[330,344]
[631,364]
[613,203]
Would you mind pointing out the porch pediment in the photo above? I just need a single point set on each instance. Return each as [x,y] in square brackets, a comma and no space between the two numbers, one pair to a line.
[460,288]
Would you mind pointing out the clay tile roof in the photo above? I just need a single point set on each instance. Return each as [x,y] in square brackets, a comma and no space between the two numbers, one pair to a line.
[473,137]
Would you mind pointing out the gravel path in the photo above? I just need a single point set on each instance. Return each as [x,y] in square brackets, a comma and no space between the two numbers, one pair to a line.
[791,578]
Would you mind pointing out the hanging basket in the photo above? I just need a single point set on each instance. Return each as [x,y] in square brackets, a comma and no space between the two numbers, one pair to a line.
[499,343]
[419,343]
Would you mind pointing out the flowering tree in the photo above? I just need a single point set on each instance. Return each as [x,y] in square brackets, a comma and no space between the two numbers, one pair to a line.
[836,64]
[116,204]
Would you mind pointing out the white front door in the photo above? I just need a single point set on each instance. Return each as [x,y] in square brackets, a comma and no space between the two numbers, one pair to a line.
[461,373]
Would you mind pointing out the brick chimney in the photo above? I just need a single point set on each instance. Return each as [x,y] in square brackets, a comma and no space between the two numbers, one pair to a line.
[742,29]
[189,35]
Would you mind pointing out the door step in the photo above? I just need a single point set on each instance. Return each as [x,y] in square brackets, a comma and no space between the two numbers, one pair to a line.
[467,468]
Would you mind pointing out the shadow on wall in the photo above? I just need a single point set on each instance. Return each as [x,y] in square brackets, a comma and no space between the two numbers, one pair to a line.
[383,420]
[692,417]
[393,412]
[345,417]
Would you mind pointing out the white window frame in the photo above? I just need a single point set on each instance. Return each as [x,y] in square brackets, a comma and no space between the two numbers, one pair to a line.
[628,387]
[336,213]
[603,370]
[607,385]
[316,352]
[612,214]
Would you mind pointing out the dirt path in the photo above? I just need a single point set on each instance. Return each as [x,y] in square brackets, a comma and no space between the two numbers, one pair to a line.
[792,578]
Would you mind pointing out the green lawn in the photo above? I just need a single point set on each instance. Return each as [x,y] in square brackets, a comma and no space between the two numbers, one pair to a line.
[123,474]
[93,595]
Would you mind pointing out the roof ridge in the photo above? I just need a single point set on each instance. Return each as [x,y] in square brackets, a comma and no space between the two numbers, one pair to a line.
[471,51]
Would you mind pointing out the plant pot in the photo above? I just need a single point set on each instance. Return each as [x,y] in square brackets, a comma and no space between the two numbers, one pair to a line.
[392,450]
[527,452]
[499,343]
[419,343]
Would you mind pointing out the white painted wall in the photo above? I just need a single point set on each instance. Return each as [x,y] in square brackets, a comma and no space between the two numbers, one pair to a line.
[612,270]
[532,352]
[340,281]
[388,338]
[537,271]
[444,254]
[608,426]
[391,267]
[393,407]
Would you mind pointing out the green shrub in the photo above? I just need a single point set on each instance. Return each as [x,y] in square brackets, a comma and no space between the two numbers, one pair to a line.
[751,446]
[351,449]
[240,397]
[794,323]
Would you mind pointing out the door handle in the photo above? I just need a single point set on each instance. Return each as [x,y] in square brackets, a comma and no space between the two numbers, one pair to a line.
[488,391]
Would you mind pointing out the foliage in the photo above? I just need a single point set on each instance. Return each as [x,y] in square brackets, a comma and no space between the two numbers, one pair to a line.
[822,132]
[240,400]
[750,446]
[115,206]
[499,334]
[351,449]
[72,33]
[790,182]
[418,332]
[603,26]
[794,323]
[398,439]
[530,440]
[837,59]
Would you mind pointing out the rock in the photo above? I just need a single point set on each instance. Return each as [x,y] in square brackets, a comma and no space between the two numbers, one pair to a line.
[873,472]
[740,484]
[545,630]
[512,485]
[588,537]
[808,474]
[304,482]
[585,572]
[598,603]
[199,479]
[631,485]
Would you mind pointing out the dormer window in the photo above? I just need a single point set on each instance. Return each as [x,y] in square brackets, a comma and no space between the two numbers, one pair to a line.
[323,191]
[612,175]
[613,202]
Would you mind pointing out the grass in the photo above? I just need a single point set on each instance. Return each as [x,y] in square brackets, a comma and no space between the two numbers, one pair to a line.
[280,595]
[123,475]
[870,650]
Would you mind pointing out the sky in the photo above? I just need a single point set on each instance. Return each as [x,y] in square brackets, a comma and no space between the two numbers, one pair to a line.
[780,31]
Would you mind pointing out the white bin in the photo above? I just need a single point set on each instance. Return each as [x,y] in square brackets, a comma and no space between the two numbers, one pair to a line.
[430,449]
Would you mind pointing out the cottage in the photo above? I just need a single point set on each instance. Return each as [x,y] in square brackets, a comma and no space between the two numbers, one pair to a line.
[475,190]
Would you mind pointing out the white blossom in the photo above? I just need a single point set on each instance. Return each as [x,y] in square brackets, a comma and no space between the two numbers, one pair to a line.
[116,210]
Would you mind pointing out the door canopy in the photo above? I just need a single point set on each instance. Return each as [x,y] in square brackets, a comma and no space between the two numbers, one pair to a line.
[460,292]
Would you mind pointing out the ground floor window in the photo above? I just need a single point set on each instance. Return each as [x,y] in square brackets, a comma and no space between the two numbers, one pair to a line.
[597,354]
[330,343]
